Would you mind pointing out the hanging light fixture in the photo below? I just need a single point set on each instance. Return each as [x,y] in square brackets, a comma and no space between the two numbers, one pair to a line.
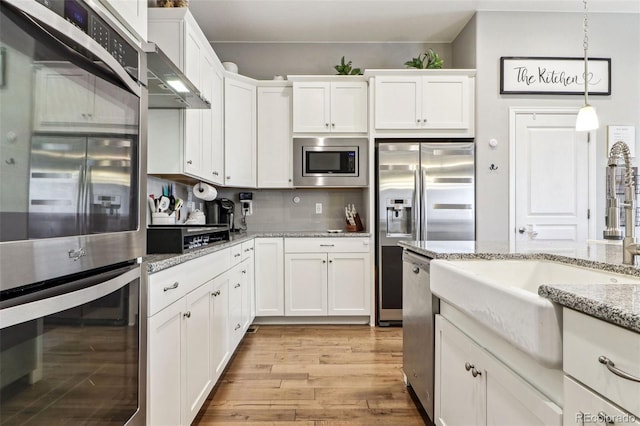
[587,117]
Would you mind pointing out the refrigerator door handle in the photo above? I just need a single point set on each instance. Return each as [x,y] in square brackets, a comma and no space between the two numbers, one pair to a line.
[423,204]
[417,228]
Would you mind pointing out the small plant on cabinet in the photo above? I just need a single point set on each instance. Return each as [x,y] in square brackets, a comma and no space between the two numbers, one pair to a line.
[346,69]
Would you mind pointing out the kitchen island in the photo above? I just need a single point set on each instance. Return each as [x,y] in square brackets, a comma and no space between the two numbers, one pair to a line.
[490,340]
[615,303]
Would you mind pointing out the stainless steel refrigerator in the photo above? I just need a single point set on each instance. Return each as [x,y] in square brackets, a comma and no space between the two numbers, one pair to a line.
[425,190]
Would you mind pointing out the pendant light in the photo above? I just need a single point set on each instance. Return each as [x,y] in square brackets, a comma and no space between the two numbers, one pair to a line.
[587,117]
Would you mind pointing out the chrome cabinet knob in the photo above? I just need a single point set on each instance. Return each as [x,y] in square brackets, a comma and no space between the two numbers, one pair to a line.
[189,162]
[326,125]
[475,373]
[522,229]
[333,124]
[187,314]
[415,270]
[468,366]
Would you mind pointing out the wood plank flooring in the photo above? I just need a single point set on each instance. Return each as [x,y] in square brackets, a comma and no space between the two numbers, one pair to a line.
[316,376]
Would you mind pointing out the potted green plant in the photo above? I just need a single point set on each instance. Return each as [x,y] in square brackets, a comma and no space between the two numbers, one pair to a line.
[346,69]
[426,60]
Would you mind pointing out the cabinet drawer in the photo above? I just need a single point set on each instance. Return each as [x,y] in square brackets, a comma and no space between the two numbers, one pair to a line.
[328,245]
[165,287]
[247,249]
[583,405]
[236,254]
[586,339]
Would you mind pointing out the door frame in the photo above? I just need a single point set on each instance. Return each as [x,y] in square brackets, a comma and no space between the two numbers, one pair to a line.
[514,112]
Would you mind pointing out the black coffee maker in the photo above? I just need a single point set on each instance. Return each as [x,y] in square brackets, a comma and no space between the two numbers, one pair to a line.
[220,212]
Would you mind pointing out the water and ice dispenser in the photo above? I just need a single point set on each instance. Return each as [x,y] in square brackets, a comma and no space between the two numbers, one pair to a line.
[399,217]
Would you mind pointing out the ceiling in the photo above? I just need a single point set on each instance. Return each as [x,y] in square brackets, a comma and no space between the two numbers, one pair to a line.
[435,21]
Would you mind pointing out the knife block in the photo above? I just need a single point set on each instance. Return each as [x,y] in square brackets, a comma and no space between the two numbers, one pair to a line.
[357,227]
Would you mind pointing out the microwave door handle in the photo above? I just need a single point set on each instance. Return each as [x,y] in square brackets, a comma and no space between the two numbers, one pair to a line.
[36,20]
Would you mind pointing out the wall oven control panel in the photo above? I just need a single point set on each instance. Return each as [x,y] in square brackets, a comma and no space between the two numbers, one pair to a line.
[83,17]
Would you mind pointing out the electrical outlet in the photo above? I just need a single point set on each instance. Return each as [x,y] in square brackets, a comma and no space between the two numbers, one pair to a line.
[247,207]
[318,208]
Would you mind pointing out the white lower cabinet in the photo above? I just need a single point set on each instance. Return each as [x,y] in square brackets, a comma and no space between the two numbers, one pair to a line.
[601,362]
[198,341]
[472,387]
[269,270]
[327,276]
[193,328]
[305,284]
[180,332]
[219,325]
[165,369]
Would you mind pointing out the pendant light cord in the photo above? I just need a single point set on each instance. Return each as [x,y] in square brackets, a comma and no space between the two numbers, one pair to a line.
[585,45]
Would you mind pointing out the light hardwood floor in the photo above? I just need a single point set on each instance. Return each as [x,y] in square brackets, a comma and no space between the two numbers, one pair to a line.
[314,375]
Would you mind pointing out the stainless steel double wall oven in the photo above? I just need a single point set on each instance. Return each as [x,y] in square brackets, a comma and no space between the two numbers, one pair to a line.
[72,162]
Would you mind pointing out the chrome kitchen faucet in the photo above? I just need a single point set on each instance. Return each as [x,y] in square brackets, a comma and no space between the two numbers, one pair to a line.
[630,249]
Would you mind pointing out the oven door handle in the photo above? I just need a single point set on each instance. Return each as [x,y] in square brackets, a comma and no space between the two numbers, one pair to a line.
[38,20]
[65,296]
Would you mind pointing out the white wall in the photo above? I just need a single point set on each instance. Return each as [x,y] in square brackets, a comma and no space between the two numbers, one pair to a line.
[615,36]
[264,60]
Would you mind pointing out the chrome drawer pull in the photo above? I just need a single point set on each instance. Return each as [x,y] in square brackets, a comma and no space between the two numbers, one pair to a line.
[612,367]
[237,327]
[327,245]
[172,286]
[187,314]
[237,285]
[236,255]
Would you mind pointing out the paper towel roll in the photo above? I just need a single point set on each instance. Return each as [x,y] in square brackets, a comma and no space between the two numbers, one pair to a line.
[204,191]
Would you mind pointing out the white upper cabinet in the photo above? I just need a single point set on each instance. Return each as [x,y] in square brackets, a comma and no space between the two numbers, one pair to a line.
[132,14]
[240,133]
[330,106]
[439,103]
[189,142]
[275,157]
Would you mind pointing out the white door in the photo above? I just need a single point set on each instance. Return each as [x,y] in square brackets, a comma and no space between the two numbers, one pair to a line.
[198,358]
[275,156]
[311,107]
[240,134]
[398,102]
[305,284]
[348,284]
[349,107]
[219,325]
[445,102]
[550,178]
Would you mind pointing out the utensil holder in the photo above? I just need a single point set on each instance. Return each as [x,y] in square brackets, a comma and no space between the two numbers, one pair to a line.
[163,219]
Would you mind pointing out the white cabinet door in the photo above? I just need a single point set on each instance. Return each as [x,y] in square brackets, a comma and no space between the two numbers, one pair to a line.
[459,397]
[246,269]
[132,13]
[349,107]
[582,406]
[198,359]
[240,134]
[235,306]
[61,86]
[166,365]
[348,284]
[445,102]
[311,107]
[305,282]
[192,55]
[208,71]
[219,325]
[216,171]
[269,273]
[275,158]
[398,102]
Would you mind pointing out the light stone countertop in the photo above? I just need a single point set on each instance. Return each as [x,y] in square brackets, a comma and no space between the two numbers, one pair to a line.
[615,303]
[159,262]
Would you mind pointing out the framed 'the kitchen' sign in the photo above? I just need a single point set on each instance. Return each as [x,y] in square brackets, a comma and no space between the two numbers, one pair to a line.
[553,76]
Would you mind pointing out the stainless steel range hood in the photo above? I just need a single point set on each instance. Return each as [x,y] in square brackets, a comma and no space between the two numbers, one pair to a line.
[168,86]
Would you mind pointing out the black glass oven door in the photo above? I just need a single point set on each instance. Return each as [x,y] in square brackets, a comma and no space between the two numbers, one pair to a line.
[70,354]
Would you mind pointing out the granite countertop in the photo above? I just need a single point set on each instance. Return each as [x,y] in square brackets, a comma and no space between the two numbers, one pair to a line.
[159,262]
[615,303]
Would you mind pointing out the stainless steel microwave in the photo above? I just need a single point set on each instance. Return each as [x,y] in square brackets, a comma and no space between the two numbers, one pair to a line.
[331,162]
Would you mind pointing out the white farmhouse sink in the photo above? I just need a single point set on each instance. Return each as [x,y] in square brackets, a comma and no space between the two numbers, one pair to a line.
[503,295]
